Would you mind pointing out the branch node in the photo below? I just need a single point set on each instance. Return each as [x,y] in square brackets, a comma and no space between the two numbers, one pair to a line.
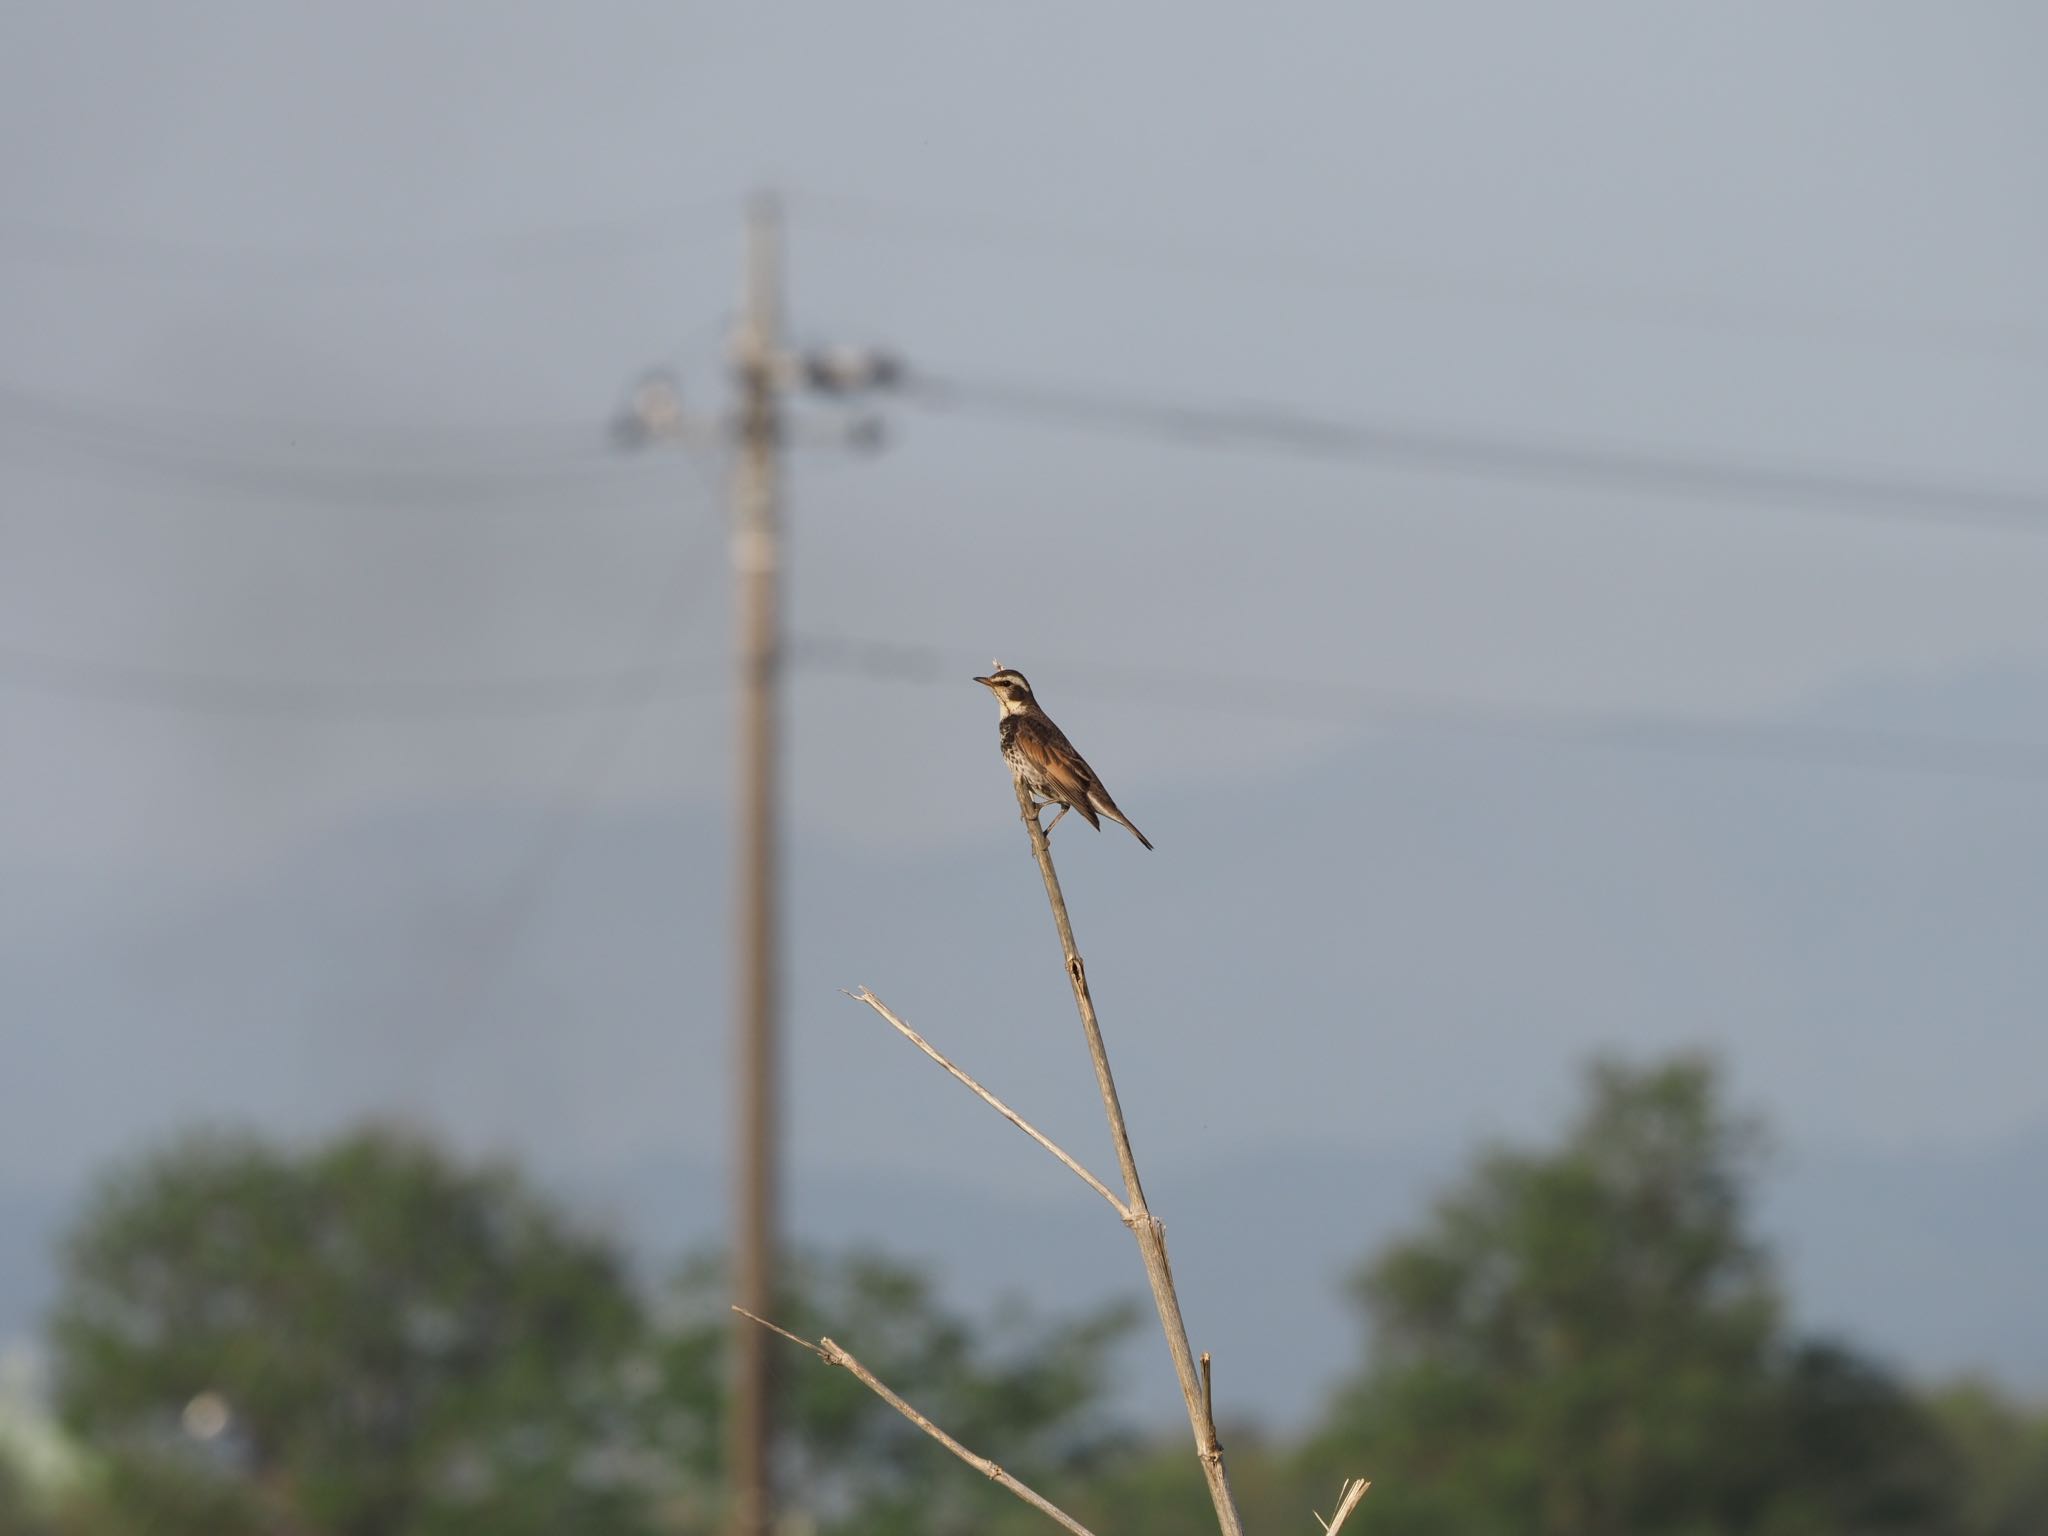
[1214,1446]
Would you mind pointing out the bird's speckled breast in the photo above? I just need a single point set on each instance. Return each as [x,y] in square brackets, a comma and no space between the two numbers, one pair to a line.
[1008,732]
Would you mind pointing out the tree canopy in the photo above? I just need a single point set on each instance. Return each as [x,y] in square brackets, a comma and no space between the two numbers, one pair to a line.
[367,1340]
[372,1339]
[1590,1340]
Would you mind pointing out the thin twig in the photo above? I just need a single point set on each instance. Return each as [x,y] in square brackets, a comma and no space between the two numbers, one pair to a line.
[833,1354]
[793,1338]
[865,996]
[1151,1235]
[1347,1500]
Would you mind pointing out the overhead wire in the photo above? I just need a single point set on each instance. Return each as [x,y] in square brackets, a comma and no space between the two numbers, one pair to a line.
[629,690]
[454,256]
[1258,428]
[1283,430]
[253,696]
[1221,258]
[339,700]
[240,441]
[275,460]
[1787,743]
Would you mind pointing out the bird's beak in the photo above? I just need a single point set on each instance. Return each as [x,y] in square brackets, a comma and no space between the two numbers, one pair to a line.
[985,682]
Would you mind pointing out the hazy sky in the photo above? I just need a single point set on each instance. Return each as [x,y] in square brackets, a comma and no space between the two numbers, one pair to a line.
[315,318]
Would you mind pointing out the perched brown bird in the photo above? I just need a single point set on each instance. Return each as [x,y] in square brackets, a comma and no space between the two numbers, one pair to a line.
[1044,761]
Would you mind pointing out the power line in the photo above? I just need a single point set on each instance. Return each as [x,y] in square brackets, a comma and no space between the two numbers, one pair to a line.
[1787,743]
[502,439]
[1279,429]
[456,256]
[629,690]
[1221,260]
[155,443]
[273,462]
[230,694]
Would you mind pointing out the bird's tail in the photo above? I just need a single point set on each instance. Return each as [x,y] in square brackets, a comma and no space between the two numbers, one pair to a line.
[1108,808]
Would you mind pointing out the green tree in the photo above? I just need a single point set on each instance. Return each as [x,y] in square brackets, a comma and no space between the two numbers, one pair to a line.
[20,1513]
[363,1340]
[2003,1448]
[1026,1391]
[1589,1340]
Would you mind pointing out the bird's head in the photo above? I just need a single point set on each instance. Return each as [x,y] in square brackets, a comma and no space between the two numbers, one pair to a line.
[1013,693]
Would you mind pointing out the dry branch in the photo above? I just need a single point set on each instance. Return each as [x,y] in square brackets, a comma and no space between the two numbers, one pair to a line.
[832,1354]
[1347,1500]
[1151,1235]
[865,996]
[1196,1380]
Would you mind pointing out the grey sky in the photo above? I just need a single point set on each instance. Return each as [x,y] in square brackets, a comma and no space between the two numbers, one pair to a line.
[391,255]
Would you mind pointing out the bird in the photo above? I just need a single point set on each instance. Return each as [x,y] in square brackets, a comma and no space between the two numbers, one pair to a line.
[1044,761]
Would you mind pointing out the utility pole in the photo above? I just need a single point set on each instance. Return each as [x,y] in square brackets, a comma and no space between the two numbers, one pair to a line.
[763,374]
[757,562]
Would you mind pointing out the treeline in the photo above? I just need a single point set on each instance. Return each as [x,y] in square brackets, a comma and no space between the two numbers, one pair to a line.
[373,1339]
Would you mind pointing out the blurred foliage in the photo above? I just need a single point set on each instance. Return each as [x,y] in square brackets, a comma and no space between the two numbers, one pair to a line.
[369,1339]
[2002,1447]
[1026,1392]
[399,1345]
[1590,1341]
[19,1507]
[142,1497]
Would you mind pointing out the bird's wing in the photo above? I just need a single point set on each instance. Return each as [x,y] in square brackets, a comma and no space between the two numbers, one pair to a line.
[1065,771]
